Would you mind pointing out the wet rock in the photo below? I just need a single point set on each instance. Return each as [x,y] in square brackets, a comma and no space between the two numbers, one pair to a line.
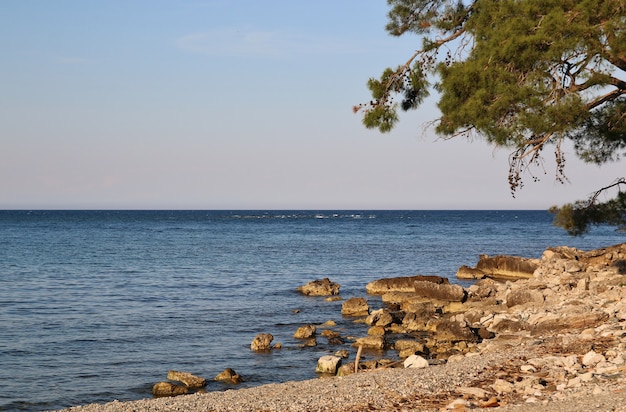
[355,307]
[228,375]
[400,284]
[163,389]
[262,342]
[320,287]
[305,332]
[188,379]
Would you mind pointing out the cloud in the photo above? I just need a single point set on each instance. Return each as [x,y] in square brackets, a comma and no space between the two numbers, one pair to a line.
[246,42]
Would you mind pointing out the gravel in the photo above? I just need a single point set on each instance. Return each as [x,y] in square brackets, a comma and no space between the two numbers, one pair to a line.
[430,389]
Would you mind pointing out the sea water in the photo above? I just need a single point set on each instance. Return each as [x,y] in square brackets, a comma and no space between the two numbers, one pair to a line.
[99,305]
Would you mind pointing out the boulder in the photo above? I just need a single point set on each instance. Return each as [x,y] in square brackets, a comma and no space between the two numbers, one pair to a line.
[416,362]
[305,332]
[380,317]
[320,287]
[189,380]
[447,292]
[328,364]
[507,267]
[522,296]
[228,375]
[450,330]
[400,284]
[408,347]
[371,342]
[261,342]
[355,307]
[163,389]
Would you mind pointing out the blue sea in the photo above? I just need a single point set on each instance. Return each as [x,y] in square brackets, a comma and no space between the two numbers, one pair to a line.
[99,305]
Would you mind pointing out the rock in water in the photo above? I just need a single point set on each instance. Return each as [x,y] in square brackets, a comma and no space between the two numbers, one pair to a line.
[163,389]
[320,287]
[305,332]
[190,381]
[355,307]
[262,341]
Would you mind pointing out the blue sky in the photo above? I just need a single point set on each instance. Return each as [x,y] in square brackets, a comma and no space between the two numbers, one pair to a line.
[202,104]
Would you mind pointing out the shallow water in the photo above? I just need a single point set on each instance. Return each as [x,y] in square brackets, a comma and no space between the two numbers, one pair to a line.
[99,305]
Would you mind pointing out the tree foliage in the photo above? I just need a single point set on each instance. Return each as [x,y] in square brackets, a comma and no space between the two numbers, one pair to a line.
[522,74]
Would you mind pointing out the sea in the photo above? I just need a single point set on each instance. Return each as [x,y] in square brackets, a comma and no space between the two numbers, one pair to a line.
[97,306]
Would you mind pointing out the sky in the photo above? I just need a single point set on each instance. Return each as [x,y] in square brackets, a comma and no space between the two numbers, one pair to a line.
[219,104]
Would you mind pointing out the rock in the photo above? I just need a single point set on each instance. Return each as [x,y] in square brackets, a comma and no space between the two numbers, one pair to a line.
[228,375]
[592,358]
[453,331]
[380,317]
[408,347]
[355,307]
[305,332]
[466,272]
[507,267]
[570,321]
[343,353]
[376,331]
[476,393]
[522,296]
[320,287]
[400,284]
[163,389]
[501,386]
[371,342]
[190,381]
[415,362]
[328,364]
[261,342]
[447,292]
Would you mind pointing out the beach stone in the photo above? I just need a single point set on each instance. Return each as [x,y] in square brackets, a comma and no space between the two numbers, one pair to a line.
[190,380]
[447,292]
[320,287]
[163,389]
[261,342]
[305,332]
[328,364]
[400,284]
[415,362]
[228,375]
[355,307]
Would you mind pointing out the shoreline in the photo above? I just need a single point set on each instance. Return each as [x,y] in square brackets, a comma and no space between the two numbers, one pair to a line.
[557,343]
[434,388]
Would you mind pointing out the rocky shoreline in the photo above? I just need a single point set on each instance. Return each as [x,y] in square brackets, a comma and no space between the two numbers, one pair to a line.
[551,337]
